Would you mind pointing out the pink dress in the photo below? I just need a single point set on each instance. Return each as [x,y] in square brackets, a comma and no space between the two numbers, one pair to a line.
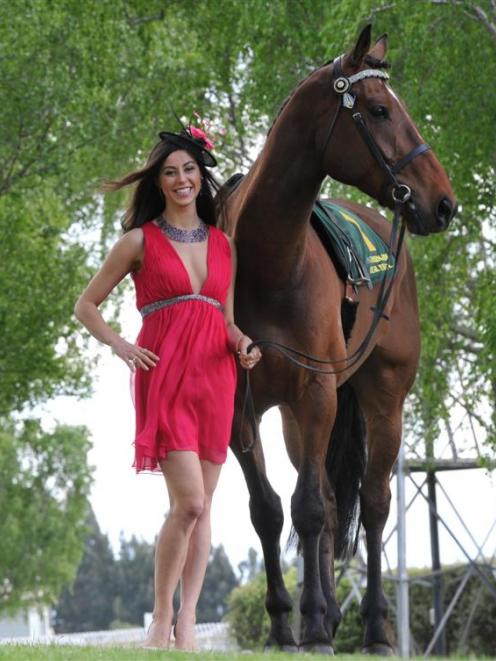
[186,401]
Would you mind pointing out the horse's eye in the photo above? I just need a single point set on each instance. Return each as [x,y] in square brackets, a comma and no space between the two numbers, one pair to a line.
[381,112]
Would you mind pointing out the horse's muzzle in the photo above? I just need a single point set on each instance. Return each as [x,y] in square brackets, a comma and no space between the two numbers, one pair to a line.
[445,212]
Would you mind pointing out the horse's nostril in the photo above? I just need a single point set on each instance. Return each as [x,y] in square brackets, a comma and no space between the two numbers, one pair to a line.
[444,213]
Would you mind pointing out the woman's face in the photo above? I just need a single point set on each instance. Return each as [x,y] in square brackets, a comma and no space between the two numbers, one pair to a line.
[180,179]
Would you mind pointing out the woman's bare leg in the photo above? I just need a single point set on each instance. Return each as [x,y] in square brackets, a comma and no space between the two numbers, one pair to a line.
[196,563]
[184,478]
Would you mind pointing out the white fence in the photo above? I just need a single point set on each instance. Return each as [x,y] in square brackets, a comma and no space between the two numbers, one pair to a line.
[214,636]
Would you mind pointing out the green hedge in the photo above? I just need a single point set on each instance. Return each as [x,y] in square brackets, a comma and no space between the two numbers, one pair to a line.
[247,615]
[250,622]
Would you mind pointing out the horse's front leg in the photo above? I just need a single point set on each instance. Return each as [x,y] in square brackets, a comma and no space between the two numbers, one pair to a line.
[294,445]
[267,518]
[315,413]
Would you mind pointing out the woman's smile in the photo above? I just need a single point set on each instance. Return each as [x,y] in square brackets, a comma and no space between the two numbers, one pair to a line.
[184,191]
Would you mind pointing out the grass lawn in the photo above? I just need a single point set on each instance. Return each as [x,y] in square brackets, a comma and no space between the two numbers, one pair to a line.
[74,653]
[87,653]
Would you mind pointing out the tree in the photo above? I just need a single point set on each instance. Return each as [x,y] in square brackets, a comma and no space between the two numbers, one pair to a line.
[44,487]
[250,567]
[134,587]
[87,605]
[41,274]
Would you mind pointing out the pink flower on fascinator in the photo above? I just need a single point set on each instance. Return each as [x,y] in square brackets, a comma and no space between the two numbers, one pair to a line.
[198,134]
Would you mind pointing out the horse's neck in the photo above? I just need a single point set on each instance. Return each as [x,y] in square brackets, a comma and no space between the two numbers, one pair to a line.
[276,200]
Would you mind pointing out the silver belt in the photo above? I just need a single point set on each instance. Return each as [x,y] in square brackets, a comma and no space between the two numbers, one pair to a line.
[158,305]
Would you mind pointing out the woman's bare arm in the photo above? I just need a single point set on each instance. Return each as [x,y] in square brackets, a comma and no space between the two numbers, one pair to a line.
[238,341]
[125,256]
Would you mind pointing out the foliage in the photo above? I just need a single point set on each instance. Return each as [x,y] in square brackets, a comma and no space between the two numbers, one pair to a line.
[44,486]
[41,273]
[248,619]
[349,636]
[88,604]
[464,635]
[470,628]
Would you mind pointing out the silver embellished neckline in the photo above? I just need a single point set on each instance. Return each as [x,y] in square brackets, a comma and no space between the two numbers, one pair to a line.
[195,235]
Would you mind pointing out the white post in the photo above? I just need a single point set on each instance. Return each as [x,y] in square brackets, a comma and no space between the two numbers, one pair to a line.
[402,600]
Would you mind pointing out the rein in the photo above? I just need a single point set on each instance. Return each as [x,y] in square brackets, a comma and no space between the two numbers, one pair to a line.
[401,194]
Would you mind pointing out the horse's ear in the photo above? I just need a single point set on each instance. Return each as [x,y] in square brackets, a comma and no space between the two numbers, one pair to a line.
[379,49]
[362,46]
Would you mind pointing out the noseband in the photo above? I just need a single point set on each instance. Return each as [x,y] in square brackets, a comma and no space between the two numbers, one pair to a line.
[342,85]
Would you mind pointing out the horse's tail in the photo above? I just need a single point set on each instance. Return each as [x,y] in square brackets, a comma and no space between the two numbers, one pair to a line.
[345,466]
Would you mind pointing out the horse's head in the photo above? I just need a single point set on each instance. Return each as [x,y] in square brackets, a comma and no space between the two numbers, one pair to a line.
[368,140]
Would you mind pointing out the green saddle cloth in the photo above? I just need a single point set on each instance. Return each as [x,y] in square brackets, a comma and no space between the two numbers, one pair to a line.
[359,253]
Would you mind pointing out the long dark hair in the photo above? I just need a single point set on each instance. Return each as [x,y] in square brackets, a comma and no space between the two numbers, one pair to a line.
[148,201]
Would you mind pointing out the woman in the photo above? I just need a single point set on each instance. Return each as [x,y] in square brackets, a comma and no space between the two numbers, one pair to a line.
[184,372]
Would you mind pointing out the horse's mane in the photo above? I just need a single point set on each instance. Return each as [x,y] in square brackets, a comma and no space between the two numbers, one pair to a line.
[369,59]
[293,92]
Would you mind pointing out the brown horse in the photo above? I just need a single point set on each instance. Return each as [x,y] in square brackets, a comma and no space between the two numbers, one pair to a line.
[288,290]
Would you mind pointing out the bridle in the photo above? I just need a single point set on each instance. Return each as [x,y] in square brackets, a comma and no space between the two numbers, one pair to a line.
[401,194]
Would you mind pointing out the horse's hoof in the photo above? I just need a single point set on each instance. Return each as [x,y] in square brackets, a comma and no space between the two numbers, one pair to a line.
[378,649]
[317,648]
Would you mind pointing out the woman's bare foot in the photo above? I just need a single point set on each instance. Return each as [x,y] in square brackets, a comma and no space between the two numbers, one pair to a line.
[158,634]
[184,633]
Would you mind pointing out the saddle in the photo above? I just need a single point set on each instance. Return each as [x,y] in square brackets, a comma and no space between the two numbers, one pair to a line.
[358,253]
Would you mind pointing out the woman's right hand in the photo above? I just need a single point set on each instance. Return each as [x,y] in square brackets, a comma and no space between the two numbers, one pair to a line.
[133,355]
[247,360]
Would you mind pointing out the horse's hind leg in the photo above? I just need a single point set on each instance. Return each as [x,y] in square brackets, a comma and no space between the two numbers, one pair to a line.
[267,518]
[326,561]
[381,399]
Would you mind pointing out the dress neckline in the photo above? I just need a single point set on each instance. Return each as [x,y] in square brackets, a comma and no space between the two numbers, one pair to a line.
[181,261]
